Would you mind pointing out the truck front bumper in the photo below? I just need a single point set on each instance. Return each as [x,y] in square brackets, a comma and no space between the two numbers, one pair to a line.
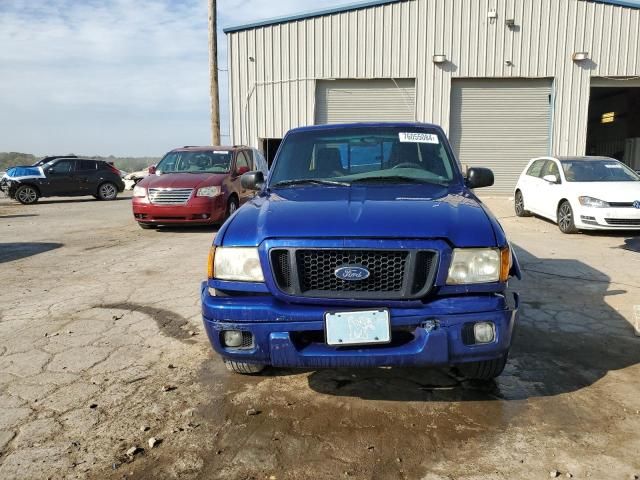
[292,335]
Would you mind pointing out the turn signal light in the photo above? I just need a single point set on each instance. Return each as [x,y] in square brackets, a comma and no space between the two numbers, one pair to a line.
[505,263]
[212,254]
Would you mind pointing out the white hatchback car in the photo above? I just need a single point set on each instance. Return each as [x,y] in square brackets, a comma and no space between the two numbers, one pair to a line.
[580,193]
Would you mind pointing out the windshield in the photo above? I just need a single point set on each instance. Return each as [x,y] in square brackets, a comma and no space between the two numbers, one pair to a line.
[598,171]
[367,154]
[195,162]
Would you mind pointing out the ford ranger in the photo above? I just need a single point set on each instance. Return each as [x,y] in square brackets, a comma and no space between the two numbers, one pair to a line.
[364,246]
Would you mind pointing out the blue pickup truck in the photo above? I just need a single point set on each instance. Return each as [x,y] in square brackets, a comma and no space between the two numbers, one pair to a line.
[365,246]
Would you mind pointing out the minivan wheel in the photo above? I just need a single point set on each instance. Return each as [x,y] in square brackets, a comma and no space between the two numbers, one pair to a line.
[243,368]
[26,194]
[484,370]
[232,206]
[518,205]
[566,223]
[107,191]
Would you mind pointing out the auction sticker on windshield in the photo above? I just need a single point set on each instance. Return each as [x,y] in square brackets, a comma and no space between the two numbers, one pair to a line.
[412,137]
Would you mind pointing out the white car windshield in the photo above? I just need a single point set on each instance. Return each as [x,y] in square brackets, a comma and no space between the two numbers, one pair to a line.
[598,171]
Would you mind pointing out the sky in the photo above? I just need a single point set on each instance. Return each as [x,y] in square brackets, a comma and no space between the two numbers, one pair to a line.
[116,77]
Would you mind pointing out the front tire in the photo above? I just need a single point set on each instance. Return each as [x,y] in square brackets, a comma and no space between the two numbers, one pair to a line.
[107,191]
[566,222]
[243,368]
[518,205]
[484,370]
[26,194]
[232,206]
[147,226]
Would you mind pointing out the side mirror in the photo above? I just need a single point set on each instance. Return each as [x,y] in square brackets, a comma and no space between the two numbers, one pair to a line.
[252,180]
[242,170]
[152,169]
[479,177]
[550,178]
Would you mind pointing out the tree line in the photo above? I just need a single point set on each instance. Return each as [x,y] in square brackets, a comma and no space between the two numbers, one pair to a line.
[128,164]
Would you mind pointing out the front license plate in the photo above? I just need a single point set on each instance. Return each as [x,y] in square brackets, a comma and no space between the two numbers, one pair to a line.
[357,328]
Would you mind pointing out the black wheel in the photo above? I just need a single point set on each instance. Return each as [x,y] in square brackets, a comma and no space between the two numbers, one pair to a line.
[232,206]
[147,226]
[243,367]
[566,222]
[107,191]
[518,205]
[26,194]
[485,370]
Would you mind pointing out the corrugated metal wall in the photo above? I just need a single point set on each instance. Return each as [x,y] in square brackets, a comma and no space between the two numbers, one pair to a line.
[345,101]
[500,124]
[273,69]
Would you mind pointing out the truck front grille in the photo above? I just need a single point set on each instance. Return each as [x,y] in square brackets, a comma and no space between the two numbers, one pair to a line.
[393,274]
[169,196]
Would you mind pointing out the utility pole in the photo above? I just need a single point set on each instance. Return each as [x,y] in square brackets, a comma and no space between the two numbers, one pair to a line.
[213,74]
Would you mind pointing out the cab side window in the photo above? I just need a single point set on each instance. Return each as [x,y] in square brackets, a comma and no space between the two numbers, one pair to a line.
[86,165]
[259,162]
[62,167]
[535,170]
[242,162]
[550,168]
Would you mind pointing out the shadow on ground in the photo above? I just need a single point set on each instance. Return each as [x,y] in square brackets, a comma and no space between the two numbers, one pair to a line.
[15,251]
[3,217]
[79,200]
[567,338]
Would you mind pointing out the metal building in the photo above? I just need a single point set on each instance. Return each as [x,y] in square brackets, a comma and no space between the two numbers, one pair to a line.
[507,79]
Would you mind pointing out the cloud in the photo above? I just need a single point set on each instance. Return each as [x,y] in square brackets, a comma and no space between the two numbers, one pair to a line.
[114,76]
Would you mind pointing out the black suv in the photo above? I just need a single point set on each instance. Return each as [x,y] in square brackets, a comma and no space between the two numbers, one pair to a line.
[63,177]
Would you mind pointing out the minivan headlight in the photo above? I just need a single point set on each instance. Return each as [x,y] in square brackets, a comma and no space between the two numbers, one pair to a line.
[592,202]
[139,191]
[237,263]
[208,192]
[475,265]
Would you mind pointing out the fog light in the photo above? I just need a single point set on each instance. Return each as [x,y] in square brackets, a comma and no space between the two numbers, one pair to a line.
[484,332]
[233,338]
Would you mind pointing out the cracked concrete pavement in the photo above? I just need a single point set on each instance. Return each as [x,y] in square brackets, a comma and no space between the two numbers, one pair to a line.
[101,348]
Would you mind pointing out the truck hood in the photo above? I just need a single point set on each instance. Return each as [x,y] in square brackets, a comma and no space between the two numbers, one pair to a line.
[398,211]
[182,180]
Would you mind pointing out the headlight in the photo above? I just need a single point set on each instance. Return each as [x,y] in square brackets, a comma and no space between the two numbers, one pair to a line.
[237,263]
[592,202]
[208,192]
[477,265]
[139,191]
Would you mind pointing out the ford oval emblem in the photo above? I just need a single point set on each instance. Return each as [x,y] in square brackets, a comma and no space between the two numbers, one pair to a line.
[351,273]
[636,204]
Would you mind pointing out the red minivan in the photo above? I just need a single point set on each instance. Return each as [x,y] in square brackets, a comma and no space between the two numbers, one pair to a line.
[195,185]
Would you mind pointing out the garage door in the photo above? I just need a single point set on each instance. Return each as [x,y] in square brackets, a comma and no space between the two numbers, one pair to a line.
[500,124]
[340,101]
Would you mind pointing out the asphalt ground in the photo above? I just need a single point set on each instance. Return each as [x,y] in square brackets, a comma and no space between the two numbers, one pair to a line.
[102,348]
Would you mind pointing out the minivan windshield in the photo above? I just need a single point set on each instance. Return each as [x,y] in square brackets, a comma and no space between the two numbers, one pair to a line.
[598,171]
[343,156]
[213,161]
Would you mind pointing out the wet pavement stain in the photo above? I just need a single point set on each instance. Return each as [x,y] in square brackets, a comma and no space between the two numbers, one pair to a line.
[169,323]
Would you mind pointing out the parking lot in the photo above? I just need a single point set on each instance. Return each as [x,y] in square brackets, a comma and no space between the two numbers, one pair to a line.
[102,348]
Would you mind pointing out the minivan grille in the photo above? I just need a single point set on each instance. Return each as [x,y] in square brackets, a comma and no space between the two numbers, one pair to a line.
[169,196]
[393,274]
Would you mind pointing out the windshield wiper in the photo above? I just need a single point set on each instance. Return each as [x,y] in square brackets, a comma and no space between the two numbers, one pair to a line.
[396,179]
[308,181]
